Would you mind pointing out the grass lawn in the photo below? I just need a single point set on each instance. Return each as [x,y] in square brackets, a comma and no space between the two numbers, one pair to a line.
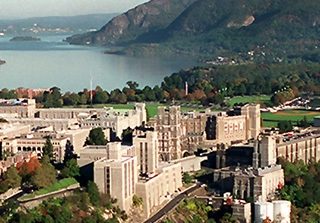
[152,107]
[61,184]
[272,119]
[249,99]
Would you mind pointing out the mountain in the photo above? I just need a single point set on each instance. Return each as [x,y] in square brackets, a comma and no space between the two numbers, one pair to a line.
[54,24]
[126,28]
[272,30]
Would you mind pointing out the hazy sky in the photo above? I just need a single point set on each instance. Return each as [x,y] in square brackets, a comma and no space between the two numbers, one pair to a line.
[31,8]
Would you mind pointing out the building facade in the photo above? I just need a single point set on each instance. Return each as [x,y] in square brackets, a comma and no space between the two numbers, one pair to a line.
[24,108]
[299,146]
[155,189]
[169,127]
[224,128]
[145,143]
[34,143]
[117,178]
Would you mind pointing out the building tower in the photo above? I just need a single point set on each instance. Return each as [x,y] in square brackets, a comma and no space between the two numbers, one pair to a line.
[169,128]
[253,120]
[267,150]
[146,143]
[221,156]
[256,155]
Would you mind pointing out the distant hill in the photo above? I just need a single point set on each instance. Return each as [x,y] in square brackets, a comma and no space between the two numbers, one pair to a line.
[62,24]
[272,30]
[128,27]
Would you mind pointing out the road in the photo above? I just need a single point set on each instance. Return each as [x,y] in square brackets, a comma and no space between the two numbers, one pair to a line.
[172,204]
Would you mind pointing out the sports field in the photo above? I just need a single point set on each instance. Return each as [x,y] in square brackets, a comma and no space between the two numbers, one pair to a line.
[261,99]
[272,119]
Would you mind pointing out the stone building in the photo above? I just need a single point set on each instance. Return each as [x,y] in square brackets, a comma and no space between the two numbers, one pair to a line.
[194,134]
[300,146]
[227,129]
[257,181]
[157,180]
[249,183]
[180,134]
[57,124]
[24,108]
[160,186]
[169,127]
[123,171]
[117,120]
[35,143]
[24,111]
[115,170]
[145,142]
[117,178]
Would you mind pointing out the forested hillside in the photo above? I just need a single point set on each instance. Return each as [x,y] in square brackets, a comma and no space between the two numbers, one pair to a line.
[270,30]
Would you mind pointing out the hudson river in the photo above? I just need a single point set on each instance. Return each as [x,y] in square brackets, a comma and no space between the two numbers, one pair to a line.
[52,62]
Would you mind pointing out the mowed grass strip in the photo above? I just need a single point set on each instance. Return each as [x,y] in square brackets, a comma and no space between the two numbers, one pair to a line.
[272,119]
[59,185]
[258,99]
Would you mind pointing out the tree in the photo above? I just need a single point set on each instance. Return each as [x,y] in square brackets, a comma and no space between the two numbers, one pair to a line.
[137,201]
[285,126]
[127,136]
[100,96]
[132,85]
[45,175]
[304,122]
[27,170]
[186,178]
[11,179]
[71,99]
[69,152]
[227,218]
[52,98]
[48,148]
[71,169]
[116,96]
[96,137]
[94,194]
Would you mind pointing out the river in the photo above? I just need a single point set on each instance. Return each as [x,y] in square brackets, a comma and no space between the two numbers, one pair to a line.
[52,62]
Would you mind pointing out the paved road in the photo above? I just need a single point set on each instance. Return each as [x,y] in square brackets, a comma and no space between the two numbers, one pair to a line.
[171,205]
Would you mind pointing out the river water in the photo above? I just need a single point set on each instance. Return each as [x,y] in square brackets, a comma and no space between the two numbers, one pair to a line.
[52,62]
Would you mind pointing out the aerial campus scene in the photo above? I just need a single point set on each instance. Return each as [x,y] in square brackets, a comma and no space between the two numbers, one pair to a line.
[160,111]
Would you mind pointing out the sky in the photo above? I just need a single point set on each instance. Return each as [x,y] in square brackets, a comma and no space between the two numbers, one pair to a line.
[10,9]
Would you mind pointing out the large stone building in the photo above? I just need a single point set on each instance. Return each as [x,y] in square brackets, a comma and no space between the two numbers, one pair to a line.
[160,186]
[259,181]
[303,146]
[122,171]
[240,126]
[24,111]
[35,143]
[181,133]
[21,107]
[170,131]
[157,180]
[116,175]
[117,120]
[145,142]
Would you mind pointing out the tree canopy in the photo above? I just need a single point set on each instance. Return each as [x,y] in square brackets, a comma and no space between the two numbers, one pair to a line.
[96,137]
[48,148]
